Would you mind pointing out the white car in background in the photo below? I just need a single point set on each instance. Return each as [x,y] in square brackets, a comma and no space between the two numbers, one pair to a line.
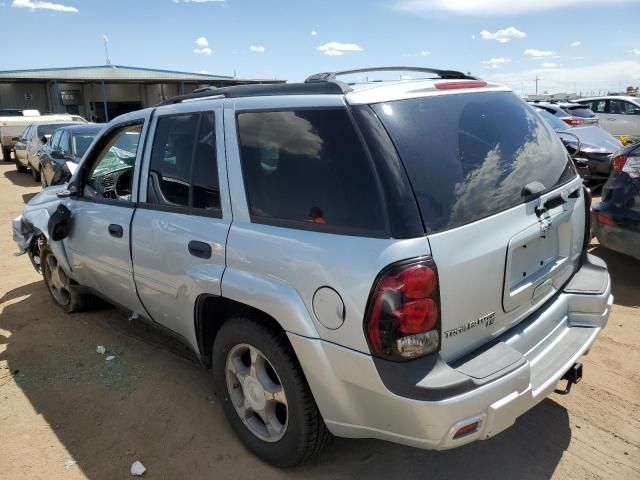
[620,115]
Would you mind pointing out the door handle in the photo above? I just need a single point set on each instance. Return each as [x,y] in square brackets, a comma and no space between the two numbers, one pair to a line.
[199,249]
[116,230]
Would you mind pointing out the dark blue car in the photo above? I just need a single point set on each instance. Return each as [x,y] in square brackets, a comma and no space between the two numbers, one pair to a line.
[616,219]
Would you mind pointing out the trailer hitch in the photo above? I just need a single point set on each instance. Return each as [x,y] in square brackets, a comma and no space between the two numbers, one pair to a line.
[572,376]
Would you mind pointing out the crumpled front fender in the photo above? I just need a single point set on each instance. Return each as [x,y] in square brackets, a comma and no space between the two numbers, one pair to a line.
[34,221]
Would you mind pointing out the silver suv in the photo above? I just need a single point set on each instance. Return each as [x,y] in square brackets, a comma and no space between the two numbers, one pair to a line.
[403,260]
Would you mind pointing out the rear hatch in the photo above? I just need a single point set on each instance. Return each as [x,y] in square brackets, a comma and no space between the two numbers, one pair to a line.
[501,204]
[583,112]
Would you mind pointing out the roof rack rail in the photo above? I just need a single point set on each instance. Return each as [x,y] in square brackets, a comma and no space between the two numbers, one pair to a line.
[445,74]
[262,90]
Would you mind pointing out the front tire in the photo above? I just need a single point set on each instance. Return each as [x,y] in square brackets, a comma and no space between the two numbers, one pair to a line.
[19,167]
[6,154]
[264,394]
[35,174]
[58,283]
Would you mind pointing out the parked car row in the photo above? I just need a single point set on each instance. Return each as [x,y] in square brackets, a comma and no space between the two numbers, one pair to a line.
[14,122]
[52,150]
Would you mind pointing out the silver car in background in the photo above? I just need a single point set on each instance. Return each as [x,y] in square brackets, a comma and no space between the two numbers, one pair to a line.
[620,115]
[403,260]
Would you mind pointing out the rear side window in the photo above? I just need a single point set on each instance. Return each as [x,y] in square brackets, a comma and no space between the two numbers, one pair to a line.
[308,169]
[184,169]
[469,156]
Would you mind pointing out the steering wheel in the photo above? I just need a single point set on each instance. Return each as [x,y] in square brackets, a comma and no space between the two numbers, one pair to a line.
[122,186]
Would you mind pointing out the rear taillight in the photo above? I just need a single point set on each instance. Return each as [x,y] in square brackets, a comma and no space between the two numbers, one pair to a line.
[618,162]
[403,313]
[604,219]
[573,121]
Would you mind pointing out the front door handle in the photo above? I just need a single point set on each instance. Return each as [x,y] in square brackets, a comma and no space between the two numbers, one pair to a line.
[116,230]
[199,249]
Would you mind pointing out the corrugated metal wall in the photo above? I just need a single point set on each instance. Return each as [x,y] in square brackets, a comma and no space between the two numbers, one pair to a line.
[24,96]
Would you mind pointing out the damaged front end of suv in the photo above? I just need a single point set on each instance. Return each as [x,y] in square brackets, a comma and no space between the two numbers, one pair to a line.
[45,220]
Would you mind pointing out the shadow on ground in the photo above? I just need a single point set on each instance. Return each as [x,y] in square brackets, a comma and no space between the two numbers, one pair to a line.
[154,403]
[20,179]
[625,275]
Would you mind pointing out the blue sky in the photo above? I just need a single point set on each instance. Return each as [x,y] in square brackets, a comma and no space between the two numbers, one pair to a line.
[509,41]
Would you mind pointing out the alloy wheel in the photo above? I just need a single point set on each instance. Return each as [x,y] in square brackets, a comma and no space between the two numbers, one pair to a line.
[57,280]
[256,392]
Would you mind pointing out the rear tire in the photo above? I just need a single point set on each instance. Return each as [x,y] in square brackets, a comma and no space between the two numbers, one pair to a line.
[19,167]
[293,430]
[58,283]
[35,174]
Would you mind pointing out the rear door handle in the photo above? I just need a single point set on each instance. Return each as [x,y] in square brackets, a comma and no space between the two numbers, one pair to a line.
[199,249]
[116,230]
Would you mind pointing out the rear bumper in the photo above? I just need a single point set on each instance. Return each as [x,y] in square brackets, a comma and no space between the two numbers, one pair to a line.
[356,402]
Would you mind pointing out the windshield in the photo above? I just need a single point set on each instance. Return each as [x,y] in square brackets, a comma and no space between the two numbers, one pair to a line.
[552,120]
[81,142]
[469,156]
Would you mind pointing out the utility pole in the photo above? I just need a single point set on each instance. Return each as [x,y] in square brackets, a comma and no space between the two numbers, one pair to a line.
[537,79]
[106,49]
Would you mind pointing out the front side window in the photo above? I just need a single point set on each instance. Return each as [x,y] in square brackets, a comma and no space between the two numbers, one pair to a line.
[630,108]
[111,176]
[616,107]
[55,140]
[309,169]
[64,142]
[80,143]
[184,171]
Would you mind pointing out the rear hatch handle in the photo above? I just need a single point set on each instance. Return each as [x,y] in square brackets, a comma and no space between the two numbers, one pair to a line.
[534,190]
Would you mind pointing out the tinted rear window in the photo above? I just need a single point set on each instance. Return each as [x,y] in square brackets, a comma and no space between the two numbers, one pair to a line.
[581,112]
[469,156]
[308,169]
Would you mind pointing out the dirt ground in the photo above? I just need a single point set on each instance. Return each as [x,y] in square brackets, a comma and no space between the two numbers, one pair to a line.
[66,412]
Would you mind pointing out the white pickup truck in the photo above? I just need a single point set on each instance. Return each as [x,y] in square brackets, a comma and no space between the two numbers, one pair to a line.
[13,126]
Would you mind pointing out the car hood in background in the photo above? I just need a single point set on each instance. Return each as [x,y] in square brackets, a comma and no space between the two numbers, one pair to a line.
[596,140]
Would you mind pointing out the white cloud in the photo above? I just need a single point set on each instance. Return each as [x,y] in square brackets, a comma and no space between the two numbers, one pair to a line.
[492,7]
[202,42]
[473,37]
[313,33]
[337,48]
[503,36]
[532,52]
[425,53]
[256,48]
[496,62]
[203,51]
[576,44]
[563,79]
[550,65]
[634,51]
[39,5]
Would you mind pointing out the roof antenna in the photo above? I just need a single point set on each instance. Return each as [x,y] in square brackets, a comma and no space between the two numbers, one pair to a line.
[106,49]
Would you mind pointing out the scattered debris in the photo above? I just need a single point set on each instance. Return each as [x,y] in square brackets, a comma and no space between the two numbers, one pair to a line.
[69,463]
[100,349]
[137,469]
[110,357]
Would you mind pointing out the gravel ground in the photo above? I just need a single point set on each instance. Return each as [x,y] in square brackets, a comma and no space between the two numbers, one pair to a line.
[67,412]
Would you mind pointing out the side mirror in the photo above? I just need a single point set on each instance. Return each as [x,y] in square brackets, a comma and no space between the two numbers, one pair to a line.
[43,139]
[572,144]
[57,154]
[636,111]
[15,139]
